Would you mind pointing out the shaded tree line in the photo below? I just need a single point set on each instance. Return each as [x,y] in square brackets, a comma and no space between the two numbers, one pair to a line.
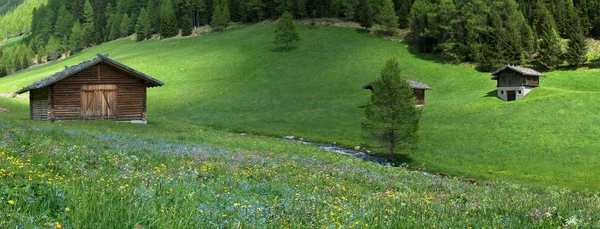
[543,33]
[538,33]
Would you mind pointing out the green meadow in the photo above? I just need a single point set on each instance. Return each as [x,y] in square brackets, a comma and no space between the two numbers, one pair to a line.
[239,81]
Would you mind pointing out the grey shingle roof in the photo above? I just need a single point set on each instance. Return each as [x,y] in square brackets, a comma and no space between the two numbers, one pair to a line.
[522,70]
[69,71]
[413,83]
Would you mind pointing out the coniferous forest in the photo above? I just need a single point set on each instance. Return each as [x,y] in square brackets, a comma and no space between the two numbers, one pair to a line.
[538,33]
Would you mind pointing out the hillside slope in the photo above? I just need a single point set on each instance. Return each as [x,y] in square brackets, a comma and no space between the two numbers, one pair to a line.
[239,81]
[18,21]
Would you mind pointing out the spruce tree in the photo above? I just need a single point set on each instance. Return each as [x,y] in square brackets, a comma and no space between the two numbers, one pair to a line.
[418,26]
[577,47]
[392,117]
[125,23]
[285,32]
[549,51]
[220,17]
[364,14]
[52,49]
[186,25]
[77,37]
[142,28]
[88,25]
[114,27]
[388,17]
[168,21]
[64,22]
[153,16]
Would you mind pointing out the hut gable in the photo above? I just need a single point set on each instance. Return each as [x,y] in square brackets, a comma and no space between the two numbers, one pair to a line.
[98,89]
[418,89]
[514,82]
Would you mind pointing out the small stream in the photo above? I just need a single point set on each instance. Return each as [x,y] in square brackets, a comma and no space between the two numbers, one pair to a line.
[357,154]
[349,152]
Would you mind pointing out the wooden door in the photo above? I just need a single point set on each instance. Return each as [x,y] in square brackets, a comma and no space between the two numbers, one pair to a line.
[99,102]
[511,95]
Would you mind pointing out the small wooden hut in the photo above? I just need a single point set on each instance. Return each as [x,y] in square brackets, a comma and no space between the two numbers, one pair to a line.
[97,89]
[514,82]
[418,89]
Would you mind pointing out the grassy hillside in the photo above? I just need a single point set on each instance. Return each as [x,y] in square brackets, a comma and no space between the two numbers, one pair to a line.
[239,81]
[18,21]
[11,42]
[53,175]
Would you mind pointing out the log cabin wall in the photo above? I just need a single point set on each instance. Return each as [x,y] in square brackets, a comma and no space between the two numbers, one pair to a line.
[131,92]
[532,81]
[39,104]
[509,78]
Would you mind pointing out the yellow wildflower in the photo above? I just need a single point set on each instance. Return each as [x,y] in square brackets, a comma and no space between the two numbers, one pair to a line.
[67,209]
[11,202]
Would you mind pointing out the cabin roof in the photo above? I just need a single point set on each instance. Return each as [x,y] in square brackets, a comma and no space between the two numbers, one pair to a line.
[522,70]
[69,71]
[413,83]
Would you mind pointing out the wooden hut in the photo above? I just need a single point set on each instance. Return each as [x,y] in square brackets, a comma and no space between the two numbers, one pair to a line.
[97,89]
[418,89]
[514,82]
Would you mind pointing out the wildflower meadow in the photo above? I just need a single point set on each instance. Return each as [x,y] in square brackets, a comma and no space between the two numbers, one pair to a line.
[61,178]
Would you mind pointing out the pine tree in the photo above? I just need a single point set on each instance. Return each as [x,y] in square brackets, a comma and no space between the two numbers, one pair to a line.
[403,11]
[77,37]
[125,23]
[186,25]
[577,47]
[392,117]
[52,49]
[549,51]
[418,25]
[88,25]
[220,17]
[142,28]
[365,14]
[64,22]
[88,12]
[388,16]
[168,21]
[114,26]
[153,16]
[285,32]
[301,11]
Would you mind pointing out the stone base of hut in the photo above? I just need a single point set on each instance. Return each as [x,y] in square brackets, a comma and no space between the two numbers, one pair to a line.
[513,93]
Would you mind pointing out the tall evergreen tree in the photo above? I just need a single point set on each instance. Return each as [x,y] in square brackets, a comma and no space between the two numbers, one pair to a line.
[403,10]
[64,23]
[549,51]
[77,37]
[52,49]
[142,28]
[577,47]
[153,16]
[186,25]
[418,25]
[285,32]
[114,26]
[88,25]
[364,14]
[301,11]
[125,26]
[168,21]
[392,117]
[220,17]
[388,17]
